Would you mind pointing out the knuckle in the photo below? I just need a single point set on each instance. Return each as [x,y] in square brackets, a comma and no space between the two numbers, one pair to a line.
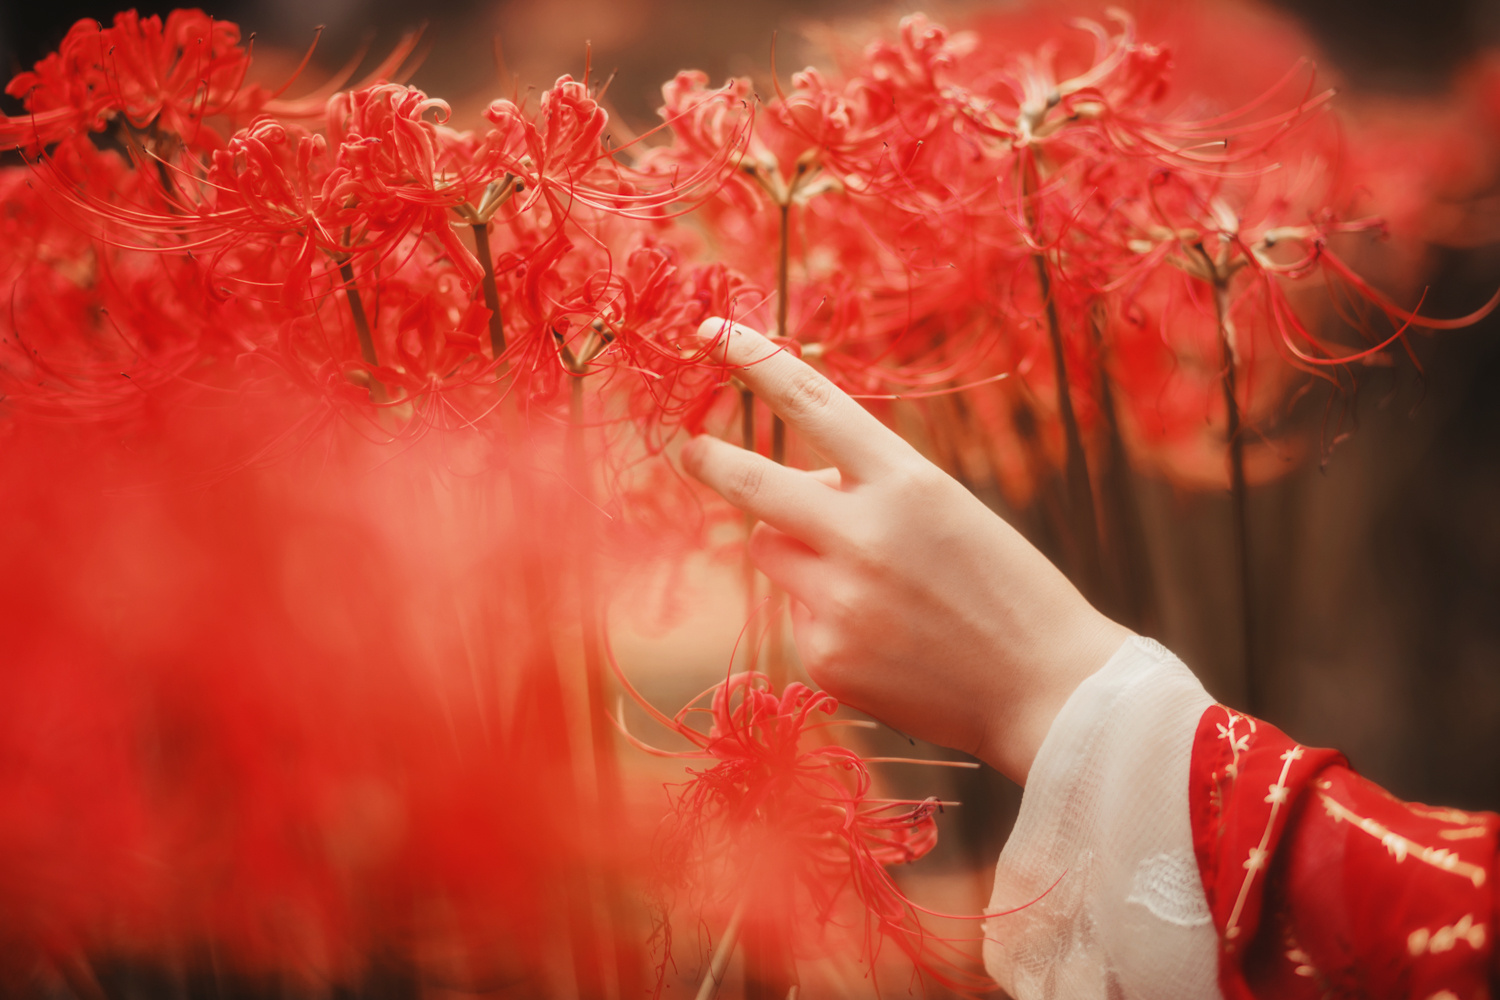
[830,670]
[762,541]
[820,655]
[871,540]
[744,483]
[768,548]
[807,392]
[865,544]
[846,600]
[917,479]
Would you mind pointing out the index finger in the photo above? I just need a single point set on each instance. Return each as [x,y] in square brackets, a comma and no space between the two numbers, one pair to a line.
[834,425]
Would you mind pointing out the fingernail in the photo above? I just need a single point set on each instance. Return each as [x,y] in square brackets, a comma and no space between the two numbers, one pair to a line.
[714,327]
[712,331]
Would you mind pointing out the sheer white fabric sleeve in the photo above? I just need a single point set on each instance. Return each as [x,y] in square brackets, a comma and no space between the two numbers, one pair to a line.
[1104,824]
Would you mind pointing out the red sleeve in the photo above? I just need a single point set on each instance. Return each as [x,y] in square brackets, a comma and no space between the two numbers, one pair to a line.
[1321,884]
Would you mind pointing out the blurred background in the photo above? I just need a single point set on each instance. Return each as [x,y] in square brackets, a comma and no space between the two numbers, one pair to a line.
[1378,574]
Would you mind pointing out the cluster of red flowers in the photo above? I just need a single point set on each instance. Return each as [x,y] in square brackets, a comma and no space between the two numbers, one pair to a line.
[946,212]
[1121,237]
[329,253]
[783,839]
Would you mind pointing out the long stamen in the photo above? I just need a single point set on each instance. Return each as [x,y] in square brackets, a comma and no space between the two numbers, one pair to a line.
[967,765]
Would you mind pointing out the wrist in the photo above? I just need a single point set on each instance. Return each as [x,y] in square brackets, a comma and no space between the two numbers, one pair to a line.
[1074,652]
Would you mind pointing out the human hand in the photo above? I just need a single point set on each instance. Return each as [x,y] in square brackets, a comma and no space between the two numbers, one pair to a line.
[912,601]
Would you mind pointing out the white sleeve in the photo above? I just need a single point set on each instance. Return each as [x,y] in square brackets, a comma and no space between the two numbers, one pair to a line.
[1104,824]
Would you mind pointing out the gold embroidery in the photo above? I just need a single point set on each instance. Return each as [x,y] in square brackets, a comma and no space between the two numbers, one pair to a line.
[1400,848]
[1277,797]
[1422,941]
[1303,962]
[1238,742]
[1441,814]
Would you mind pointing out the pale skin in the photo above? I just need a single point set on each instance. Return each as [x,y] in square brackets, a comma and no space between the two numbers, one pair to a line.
[911,600]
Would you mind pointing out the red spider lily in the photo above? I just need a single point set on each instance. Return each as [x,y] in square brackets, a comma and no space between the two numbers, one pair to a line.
[559,152]
[562,142]
[164,83]
[897,126]
[1238,249]
[358,216]
[790,827]
[382,171]
[89,329]
[1086,139]
[870,241]
[290,220]
[148,76]
[390,180]
[705,123]
[1027,100]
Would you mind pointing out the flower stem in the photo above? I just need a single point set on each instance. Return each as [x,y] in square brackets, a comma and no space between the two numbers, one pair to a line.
[1123,542]
[1082,519]
[770,966]
[491,291]
[1238,494]
[608,798]
[543,724]
[719,964]
[357,309]
[783,258]
[606,770]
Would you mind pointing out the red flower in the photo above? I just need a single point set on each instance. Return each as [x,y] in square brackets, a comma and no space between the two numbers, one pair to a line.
[783,829]
[163,78]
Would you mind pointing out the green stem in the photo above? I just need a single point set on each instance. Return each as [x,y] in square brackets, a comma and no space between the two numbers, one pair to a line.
[491,291]
[1124,540]
[1238,495]
[599,725]
[610,802]
[1082,517]
[542,726]
[783,257]
[719,964]
[361,320]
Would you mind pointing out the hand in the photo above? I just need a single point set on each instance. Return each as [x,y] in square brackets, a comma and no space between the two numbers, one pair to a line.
[912,601]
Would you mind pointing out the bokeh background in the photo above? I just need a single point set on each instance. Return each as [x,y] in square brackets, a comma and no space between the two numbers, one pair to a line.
[1378,572]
